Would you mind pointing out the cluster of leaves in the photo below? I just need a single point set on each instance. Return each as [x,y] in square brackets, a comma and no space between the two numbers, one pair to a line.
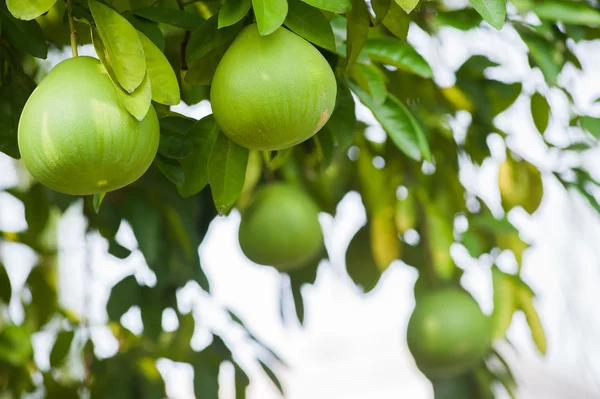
[157,50]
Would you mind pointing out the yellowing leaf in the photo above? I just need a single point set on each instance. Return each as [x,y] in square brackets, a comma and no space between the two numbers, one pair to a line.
[520,184]
[124,51]
[525,297]
[385,244]
[163,81]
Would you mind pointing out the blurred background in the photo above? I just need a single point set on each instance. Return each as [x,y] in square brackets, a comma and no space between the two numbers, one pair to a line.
[352,345]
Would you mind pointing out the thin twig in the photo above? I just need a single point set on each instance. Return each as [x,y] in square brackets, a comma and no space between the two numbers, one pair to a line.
[72,27]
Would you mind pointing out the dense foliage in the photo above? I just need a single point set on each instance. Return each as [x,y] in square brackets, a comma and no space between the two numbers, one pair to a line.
[408,183]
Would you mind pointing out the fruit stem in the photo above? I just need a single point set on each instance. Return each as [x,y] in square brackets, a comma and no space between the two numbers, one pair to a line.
[72,27]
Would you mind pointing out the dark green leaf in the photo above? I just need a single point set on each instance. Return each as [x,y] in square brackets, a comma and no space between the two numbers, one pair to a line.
[227,171]
[171,168]
[464,19]
[146,224]
[42,284]
[28,9]
[208,37]
[196,167]
[269,14]
[151,309]
[492,11]
[13,96]
[501,95]
[241,382]
[170,16]
[399,124]
[325,146]
[342,122]
[123,296]
[568,12]
[358,29]
[174,146]
[310,23]
[380,8]
[61,348]
[336,6]
[271,376]
[206,376]
[62,390]
[117,250]
[124,51]
[180,345]
[37,208]
[5,287]
[540,110]
[201,71]
[26,36]
[360,263]
[233,11]
[399,54]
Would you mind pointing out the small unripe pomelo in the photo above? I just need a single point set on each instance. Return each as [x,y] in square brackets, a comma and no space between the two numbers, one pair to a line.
[448,333]
[280,227]
[76,137]
[272,92]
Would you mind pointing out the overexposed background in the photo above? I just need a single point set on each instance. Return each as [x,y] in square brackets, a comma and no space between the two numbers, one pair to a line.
[352,345]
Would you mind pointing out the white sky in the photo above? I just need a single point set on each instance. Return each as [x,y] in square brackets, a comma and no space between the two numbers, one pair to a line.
[353,346]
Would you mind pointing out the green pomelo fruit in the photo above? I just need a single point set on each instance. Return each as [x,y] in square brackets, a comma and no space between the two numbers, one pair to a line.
[448,333]
[272,92]
[76,137]
[280,227]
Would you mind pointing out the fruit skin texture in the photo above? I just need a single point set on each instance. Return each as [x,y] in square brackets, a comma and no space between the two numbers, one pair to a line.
[272,92]
[75,137]
[280,228]
[448,333]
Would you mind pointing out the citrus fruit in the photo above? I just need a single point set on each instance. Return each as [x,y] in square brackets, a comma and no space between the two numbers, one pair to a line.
[272,92]
[448,333]
[76,137]
[280,227]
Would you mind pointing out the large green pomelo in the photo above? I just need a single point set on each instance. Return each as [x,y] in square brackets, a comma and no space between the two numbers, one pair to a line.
[272,92]
[448,333]
[280,227]
[76,137]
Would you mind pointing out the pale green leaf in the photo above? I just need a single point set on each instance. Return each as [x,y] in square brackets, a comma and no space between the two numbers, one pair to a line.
[336,6]
[163,81]
[310,23]
[525,298]
[269,14]
[492,11]
[568,12]
[505,302]
[123,47]
[407,5]
[28,9]
[372,79]
[233,11]
[399,54]
[397,21]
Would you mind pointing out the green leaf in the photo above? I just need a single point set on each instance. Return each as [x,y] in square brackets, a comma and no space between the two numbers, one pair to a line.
[97,201]
[203,136]
[371,79]
[310,23]
[439,240]
[13,96]
[61,348]
[123,296]
[592,125]
[226,171]
[380,8]
[151,309]
[359,21]
[360,262]
[501,95]
[540,110]
[206,376]
[233,11]
[15,345]
[241,382]
[385,244]
[123,48]
[26,36]
[505,302]
[117,250]
[148,28]
[208,37]
[5,287]
[269,14]
[42,284]
[464,19]
[399,54]
[399,124]
[397,21]
[567,12]
[174,146]
[170,168]
[407,5]
[492,11]
[525,298]
[163,82]
[342,122]
[170,16]
[336,6]
[28,9]
[201,71]
[545,56]
[271,376]
[179,346]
